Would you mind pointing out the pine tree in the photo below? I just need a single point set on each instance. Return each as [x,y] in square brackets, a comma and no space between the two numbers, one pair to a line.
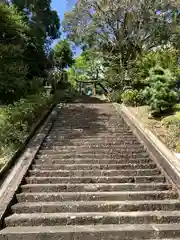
[160,93]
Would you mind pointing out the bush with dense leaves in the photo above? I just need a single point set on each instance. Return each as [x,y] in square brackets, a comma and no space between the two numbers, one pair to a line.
[160,94]
[132,97]
[115,96]
[166,58]
[17,119]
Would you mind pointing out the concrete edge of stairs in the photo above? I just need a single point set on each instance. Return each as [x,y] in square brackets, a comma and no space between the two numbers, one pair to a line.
[13,180]
[163,157]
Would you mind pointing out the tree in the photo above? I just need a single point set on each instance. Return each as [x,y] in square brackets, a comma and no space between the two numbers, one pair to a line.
[13,70]
[87,67]
[62,55]
[160,93]
[41,16]
[62,58]
[23,55]
[122,29]
[44,27]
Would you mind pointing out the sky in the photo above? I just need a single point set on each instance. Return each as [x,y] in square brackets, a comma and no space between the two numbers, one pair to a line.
[62,6]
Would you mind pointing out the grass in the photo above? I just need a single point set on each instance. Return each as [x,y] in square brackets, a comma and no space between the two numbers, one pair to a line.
[166,127]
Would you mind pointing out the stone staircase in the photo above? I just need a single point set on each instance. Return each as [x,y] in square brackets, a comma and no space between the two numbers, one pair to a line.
[92,179]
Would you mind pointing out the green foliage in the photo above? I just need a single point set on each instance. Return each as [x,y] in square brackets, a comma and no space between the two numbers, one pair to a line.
[132,97]
[122,29]
[13,28]
[62,54]
[160,93]
[43,18]
[13,74]
[17,119]
[87,67]
[23,51]
[166,58]
[72,77]
[115,96]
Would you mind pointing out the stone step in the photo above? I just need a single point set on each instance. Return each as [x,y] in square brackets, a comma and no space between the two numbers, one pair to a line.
[90,130]
[99,179]
[96,196]
[120,145]
[89,152]
[92,166]
[94,155]
[56,150]
[79,123]
[101,131]
[95,232]
[82,173]
[45,160]
[88,148]
[93,139]
[95,187]
[85,142]
[86,218]
[96,206]
[91,133]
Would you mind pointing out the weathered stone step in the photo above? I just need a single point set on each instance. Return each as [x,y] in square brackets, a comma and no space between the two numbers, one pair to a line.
[110,121]
[95,139]
[95,232]
[84,131]
[95,187]
[93,143]
[102,156]
[116,148]
[56,150]
[83,218]
[92,166]
[100,152]
[96,206]
[81,130]
[45,160]
[99,179]
[82,173]
[96,196]
[87,146]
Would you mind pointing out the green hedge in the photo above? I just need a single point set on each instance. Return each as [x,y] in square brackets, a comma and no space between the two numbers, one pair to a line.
[132,97]
[16,120]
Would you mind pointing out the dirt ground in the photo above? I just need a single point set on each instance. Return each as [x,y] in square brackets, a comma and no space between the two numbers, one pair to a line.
[156,126]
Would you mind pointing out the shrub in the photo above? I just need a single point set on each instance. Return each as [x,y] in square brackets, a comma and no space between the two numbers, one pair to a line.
[115,96]
[17,119]
[166,58]
[160,94]
[132,97]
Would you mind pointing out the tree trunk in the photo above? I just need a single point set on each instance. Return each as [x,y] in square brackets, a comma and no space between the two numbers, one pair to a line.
[94,89]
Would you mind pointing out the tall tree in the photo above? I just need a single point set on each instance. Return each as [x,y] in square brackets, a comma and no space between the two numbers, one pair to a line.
[13,40]
[23,54]
[61,58]
[122,29]
[87,67]
[62,55]
[41,16]
[44,27]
